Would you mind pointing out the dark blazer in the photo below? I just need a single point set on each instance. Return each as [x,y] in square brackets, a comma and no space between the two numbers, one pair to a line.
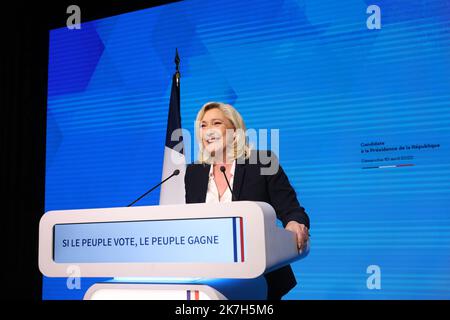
[249,184]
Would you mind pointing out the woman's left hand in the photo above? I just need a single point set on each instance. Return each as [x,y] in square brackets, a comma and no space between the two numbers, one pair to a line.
[301,233]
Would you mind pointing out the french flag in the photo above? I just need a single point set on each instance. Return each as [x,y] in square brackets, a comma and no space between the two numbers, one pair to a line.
[172,191]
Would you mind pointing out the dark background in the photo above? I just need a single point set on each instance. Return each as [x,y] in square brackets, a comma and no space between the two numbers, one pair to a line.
[23,61]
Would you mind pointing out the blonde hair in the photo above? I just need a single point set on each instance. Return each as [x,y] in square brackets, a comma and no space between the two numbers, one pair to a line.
[240,149]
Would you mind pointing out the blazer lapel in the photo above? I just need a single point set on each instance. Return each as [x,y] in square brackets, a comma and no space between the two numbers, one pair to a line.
[202,182]
[239,173]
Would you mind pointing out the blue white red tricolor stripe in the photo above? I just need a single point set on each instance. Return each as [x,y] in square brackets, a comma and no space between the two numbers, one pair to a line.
[238,240]
[390,166]
[192,295]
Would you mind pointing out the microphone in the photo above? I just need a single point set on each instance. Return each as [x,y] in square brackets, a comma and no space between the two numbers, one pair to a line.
[175,173]
[222,168]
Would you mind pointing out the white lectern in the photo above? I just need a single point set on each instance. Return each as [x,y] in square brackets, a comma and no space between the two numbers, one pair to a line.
[189,251]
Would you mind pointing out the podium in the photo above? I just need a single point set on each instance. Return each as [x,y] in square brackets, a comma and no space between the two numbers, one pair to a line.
[180,252]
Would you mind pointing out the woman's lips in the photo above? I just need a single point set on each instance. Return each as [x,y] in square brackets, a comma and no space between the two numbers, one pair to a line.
[212,140]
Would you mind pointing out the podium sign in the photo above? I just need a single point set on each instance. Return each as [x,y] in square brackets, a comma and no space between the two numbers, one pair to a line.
[237,240]
[160,241]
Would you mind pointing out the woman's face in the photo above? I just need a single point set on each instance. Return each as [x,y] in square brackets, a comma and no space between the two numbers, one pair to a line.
[216,130]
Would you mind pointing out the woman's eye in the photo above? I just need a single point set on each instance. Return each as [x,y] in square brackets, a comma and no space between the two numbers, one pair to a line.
[217,123]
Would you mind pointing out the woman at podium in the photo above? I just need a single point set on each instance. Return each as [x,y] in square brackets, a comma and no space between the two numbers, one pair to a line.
[228,170]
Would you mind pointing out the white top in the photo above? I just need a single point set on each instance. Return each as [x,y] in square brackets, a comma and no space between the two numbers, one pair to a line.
[212,195]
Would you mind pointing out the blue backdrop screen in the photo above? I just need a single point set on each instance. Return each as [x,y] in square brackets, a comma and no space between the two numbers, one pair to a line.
[363,118]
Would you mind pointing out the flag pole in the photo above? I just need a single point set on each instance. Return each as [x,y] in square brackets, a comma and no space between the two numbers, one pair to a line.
[177,64]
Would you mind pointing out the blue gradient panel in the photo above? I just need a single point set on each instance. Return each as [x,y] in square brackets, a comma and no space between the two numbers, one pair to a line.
[364,120]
